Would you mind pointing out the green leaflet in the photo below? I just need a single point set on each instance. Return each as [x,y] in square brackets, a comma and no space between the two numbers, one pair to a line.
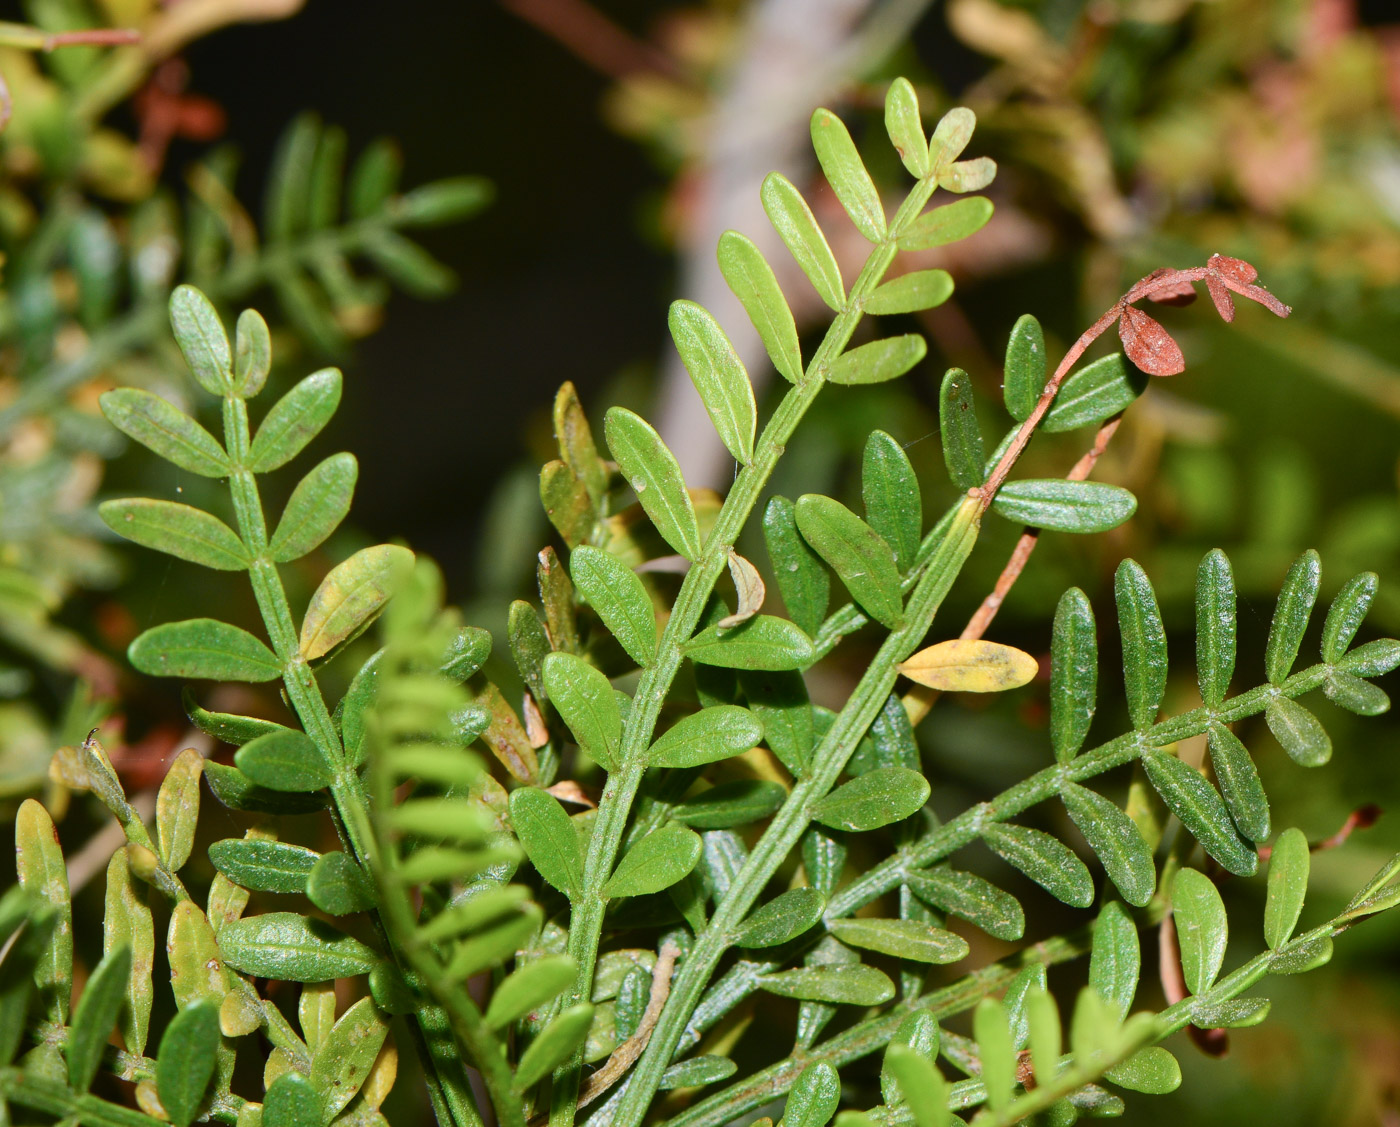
[971,898]
[1093,1031]
[906,129]
[576,445]
[292,948]
[177,809]
[238,792]
[252,353]
[408,265]
[528,988]
[1237,1013]
[1065,506]
[165,429]
[1115,960]
[963,452]
[763,642]
[878,361]
[1074,671]
[814,1097]
[620,600]
[1373,659]
[823,857]
[553,1046]
[752,280]
[339,886]
[1029,978]
[1152,1070]
[557,596]
[284,761]
[911,293]
[182,531]
[846,174]
[548,838]
[95,1015]
[1304,957]
[295,420]
[655,863]
[223,726]
[1239,783]
[483,909]
[41,872]
[585,702]
[779,699]
[851,985]
[292,1101]
[203,648]
[351,596]
[1355,695]
[697,1072]
[968,175]
[1299,732]
[802,580]
[855,552]
[344,1059]
[890,490]
[1043,1026]
[891,742]
[1215,627]
[718,375]
[992,1033]
[951,135]
[1044,859]
[783,918]
[655,476]
[1096,392]
[1288,886]
[315,509]
[126,923]
[196,961]
[1201,928]
[711,734]
[904,939]
[1115,839]
[264,866]
[185,1063]
[1345,615]
[1196,803]
[1291,614]
[529,645]
[877,798]
[200,334]
[792,219]
[1024,378]
[1144,643]
[947,224]
[566,503]
[924,1090]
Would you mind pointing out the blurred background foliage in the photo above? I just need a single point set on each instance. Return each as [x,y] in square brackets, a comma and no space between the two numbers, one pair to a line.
[621,137]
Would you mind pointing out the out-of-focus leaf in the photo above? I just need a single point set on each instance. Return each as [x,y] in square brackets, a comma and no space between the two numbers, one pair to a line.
[185,1063]
[554,1045]
[1152,1070]
[566,503]
[1115,961]
[292,1100]
[993,1035]
[95,1015]
[531,986]
[41,872]
[339,886]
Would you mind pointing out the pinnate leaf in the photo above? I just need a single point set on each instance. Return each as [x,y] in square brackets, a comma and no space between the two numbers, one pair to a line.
[1152,1070]
[905,127]
[177,809]
[252,353]
[262,865]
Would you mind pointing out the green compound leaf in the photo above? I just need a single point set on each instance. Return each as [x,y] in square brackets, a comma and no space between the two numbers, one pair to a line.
[762,643]
[1065,506]
[295,420]
[238,792]
[200,334]
[783,918]
[654,474]
[339,886]
[177,809]
[554,1045]
[1044,859]
[740,802]
[802,580]
[1074,671]
[711,734]
[166,430]
[284,761]
[548,838]
[1025,368]
[127,923]
[890,490]
[351,596]
[846,174]
[793,221]
[697,1072]
[343,1060]
[252,353]
[315,509]
[585,701]
[836,984]
[922,1086]
[911,293]
[203,648]
[1288,886]
[878,361]
[264,866]
[1095,393]
[1299,732]
[1152,1070]
[905,127]
[855,552]
[1201,928]
[1345,615]
[1115,961]
[752,280]
[904,939]
[1215,627]
[528,988]
[718,375]
[947,224]
[658,861]
[186,1061]
[877,798]
[779,700]
[814,1097]
[1115,840]
[180,530]
[613,590]
[963,452]
[95,1015]
[1295,604]
[1144,643]
[292,1101]
[970,898]
[1239,782]
[283,945]
[1201,810]
[1355,695]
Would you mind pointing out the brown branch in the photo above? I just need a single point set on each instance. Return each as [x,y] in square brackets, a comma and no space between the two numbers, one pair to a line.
[592,38]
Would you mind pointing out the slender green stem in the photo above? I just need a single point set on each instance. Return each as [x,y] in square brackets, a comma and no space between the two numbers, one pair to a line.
[54,1098]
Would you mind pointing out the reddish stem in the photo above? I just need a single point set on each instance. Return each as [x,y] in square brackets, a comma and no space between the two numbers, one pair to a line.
[92,37]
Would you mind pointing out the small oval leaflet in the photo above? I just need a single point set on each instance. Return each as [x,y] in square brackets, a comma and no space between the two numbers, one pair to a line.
[202,339]
[911,293]
[752,281]
[906,129]
[315,509]
[1096,392]
[1116,841]
[720,732]
[531,986]
[1289,864]
[1201,810]
[878,361]
[793,221]
[351,596]
[264,866]
[903,939]
[972,898]
[890,491]
[856,552]
[252,353]
[783,918]
[585,702]
[853,985]
[203,648]
[1201,928]
[1115,961]
[970,665]
[548,838]
[763,643]
[1074,670]
[656,862]
[963,450]
[292,1101]
[1144,643]
[814,1097]
[655,476]
[1215,626]
[180,530]
[1025,368]
[718,375]
[162,427]
[185,1063]
[339,886]
[802,579]
[696,1072]
[739,802]
[295,420]
[947,224]
[284,761]
[95,1015]
[1152,1070]
[554,1045]
[1295,603]
[877,798]
[846,174]
[1044,859]
[1299,732]
[1239,783]
[1148,344]
[617,595]
[286,946]
[177,809]
[1065,506]
[1345,615]
[238,792]
[343,1060]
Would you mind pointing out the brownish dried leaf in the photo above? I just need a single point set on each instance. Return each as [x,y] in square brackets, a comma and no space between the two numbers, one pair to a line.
[1148,344]
[570,791]
[1235,269]
[1171,293]
[749,584]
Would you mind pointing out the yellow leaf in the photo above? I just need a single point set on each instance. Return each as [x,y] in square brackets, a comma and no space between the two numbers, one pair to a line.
[970,666]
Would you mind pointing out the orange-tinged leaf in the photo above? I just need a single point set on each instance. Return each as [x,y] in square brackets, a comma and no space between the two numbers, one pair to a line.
[970,666]
[1148,344]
